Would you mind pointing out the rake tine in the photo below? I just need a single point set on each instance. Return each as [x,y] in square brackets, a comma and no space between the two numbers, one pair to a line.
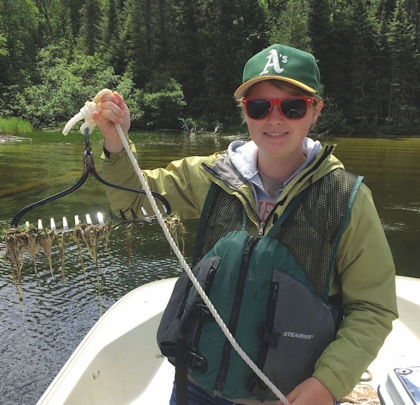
[100,217]
[99,220]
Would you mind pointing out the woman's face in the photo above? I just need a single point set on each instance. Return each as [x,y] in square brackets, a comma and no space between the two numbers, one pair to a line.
[276,136]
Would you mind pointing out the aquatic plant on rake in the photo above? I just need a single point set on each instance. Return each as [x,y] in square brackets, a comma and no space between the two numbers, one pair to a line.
[176,228]
[30,239]
[27,240]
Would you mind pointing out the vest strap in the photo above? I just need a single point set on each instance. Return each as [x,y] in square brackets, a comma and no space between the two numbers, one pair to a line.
[181,374]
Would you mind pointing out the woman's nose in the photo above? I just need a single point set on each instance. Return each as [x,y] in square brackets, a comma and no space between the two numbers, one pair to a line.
[276,114]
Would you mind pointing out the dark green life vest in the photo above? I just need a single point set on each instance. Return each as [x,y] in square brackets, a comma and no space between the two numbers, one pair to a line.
[271,292]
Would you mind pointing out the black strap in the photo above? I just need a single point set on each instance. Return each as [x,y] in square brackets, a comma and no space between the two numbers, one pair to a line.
[255,384]
[181,374]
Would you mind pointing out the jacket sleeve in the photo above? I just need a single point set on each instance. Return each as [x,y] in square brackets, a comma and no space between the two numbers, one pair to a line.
[365,276]
[183,183]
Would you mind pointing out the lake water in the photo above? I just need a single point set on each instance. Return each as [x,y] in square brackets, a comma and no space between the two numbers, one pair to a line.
[38,335]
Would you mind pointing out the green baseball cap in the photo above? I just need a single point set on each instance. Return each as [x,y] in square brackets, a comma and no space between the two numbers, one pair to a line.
[281,62]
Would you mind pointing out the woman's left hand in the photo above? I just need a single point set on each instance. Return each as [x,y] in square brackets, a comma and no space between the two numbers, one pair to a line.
[310,392]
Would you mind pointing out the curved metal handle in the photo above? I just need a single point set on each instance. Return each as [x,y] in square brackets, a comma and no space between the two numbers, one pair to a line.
[89,168]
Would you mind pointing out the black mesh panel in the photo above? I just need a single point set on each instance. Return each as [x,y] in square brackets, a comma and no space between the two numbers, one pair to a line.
[311,231]
[224,215]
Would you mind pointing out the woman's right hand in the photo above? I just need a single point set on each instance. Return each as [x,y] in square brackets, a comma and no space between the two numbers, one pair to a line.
[112,110]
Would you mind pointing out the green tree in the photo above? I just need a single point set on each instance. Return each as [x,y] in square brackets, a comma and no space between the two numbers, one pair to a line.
[327,47]
[228,34]
[365,62]
[289,24]
[186,50]
[110,38]
[404,60]
[19,33]
[55,21]
[412,8]
[72,15]
[145,35]
[344,39]
[89,34]
[161,104]
[64,86]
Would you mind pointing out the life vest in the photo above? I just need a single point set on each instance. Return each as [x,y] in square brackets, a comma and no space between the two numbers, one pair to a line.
[271,292]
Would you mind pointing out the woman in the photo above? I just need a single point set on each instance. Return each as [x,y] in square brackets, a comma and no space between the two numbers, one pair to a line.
[262,177]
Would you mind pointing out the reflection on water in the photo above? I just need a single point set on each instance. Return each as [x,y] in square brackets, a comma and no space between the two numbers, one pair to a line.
[391,168]
[38,336]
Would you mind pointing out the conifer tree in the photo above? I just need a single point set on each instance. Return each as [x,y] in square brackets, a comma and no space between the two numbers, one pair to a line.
[89,34]
[405,64]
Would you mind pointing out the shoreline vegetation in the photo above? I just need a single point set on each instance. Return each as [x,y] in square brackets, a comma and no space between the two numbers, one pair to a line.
[16,130]
[54,55]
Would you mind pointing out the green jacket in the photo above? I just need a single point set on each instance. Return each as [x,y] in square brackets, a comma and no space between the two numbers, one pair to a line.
[364,271]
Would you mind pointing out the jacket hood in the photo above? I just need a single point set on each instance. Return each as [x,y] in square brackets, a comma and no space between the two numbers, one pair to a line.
[227,170]
[244,157]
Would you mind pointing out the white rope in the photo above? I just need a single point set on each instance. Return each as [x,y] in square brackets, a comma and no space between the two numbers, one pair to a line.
[86,113]
[190,274]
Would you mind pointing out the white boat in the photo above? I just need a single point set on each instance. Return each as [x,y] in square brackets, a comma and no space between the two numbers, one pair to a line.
[119,362]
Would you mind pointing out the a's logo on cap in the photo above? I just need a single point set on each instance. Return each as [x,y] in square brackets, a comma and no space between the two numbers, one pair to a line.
[273,61]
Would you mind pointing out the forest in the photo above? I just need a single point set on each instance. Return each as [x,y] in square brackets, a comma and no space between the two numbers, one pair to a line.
[181,60]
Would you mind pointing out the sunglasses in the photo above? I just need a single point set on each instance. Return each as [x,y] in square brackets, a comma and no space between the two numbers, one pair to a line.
[291,107]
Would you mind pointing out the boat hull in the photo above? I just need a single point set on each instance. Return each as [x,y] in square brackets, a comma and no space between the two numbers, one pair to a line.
[119,362]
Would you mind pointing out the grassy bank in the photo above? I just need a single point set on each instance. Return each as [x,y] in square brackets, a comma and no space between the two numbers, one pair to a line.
[23,129]
[15,127]
[20,128]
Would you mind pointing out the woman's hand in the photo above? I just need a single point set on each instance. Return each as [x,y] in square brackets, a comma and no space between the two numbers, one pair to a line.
[112,110]
[311,392]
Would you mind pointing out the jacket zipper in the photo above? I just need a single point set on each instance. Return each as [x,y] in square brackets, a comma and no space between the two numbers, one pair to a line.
[234,316]
[261,227]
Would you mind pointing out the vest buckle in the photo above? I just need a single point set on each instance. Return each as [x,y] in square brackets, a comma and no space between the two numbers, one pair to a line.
[196,362]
